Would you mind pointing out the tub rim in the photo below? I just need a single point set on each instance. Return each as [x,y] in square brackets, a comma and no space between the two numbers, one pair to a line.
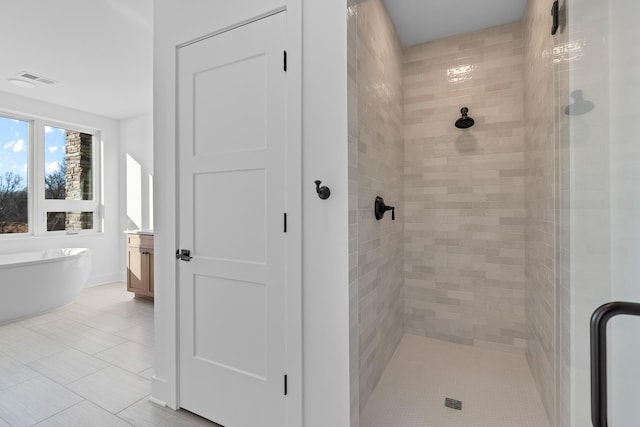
[73,254]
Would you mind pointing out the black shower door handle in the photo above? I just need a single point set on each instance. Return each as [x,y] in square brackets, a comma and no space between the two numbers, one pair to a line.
[599,320]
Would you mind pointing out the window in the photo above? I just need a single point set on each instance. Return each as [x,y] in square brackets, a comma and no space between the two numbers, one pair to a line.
[14,176]
[69,201]
[69,221]
[47,178]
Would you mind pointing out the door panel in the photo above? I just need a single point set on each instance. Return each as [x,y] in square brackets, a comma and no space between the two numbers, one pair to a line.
[242,304]
[244,82]
[236,228]
[231,138]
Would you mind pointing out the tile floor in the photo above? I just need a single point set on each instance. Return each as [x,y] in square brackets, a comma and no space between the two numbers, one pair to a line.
[496,389]
[88,364]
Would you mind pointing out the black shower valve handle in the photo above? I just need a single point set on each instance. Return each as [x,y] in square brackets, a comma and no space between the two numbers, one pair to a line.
[393,211]
[379,208]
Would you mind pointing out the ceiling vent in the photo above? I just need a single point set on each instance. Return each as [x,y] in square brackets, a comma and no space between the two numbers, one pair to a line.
[36,78]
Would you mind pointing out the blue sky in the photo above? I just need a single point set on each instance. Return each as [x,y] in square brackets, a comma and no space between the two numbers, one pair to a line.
[14,139]
[53,148]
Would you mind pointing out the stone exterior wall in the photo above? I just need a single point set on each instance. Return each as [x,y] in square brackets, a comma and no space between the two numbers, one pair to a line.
[79,177]
[79,161]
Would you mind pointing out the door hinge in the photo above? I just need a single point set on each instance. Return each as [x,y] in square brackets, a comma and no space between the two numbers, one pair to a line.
[285,222]
[183,254]
[285,60]
[285,385]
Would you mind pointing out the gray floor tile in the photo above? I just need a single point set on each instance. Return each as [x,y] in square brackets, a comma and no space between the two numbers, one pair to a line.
[142,317]
[131,356]
[79,311]
[84,414]
[112,388]
[33,348]
[142,333]
[68,366]
[130,307]
[146,414]
[61,347]
[104,299]
[34,400]
[79,336]
[108,322]
[13,334]
[13,372]
[114,290]
[43,318]
[148,373]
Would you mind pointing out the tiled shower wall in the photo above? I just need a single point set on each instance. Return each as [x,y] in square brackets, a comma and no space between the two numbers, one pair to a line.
[464,190]
[376,169]
[540,265]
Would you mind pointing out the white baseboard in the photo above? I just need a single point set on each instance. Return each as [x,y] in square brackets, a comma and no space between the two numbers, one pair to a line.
[103,280]
[161,393]
[157,402]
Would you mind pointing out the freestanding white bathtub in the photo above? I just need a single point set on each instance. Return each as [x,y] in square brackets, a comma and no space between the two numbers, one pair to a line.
[35,282]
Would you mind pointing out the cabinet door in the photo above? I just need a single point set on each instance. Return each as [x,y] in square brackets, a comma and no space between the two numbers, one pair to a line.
[138,271]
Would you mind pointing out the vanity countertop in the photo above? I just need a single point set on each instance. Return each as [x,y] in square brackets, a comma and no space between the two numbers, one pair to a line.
[143,232]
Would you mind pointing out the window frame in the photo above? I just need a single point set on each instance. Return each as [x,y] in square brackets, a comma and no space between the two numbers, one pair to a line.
[38,206]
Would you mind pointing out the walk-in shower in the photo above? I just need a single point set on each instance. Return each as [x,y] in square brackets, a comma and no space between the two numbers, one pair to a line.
[507,236]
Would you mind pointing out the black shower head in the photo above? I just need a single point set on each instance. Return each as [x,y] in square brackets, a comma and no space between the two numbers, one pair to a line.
[464,122]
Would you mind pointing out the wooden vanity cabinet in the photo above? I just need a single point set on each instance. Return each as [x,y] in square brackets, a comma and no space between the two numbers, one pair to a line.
[140,265]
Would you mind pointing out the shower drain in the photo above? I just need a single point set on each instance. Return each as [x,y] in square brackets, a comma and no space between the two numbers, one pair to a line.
[453,403]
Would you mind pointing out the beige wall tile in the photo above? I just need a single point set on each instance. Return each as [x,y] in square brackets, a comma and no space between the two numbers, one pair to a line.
[540,224]
[464,190]
[377,165]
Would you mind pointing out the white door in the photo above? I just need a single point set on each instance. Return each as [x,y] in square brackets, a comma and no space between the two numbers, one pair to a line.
[232,161]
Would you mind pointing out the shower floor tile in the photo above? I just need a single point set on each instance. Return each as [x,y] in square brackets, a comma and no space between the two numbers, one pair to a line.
[496,388]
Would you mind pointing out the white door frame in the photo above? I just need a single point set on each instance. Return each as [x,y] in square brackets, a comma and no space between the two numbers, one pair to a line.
[293,209]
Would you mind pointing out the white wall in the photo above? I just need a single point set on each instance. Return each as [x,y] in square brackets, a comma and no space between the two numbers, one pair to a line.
[136,170]
[106,247]
[325,230]
[324,157]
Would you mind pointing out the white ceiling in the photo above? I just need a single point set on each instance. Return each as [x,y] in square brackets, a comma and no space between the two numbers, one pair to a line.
[99,51]
[420,21]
